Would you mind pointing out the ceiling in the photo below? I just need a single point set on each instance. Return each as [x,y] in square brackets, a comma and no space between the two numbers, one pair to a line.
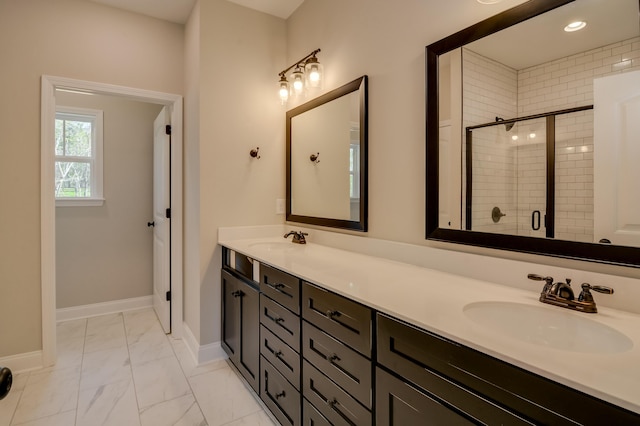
[543,39]
[179,10]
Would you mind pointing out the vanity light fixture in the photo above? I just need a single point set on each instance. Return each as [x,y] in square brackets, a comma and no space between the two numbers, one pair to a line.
[307,73]
[575,26]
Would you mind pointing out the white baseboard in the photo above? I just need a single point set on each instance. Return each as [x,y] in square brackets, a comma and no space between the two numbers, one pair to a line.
[201,354]
[22,362]
[94,309]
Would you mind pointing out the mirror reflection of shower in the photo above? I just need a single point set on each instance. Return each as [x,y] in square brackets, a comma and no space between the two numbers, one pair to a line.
[538,169]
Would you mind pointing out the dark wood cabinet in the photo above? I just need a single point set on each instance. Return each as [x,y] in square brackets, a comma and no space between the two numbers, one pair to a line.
[482,387]
[318,358]
[241,326]
[280,396]
[400,404]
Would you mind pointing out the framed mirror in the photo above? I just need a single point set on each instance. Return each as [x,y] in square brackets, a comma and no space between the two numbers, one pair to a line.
[327,159]
[530,132]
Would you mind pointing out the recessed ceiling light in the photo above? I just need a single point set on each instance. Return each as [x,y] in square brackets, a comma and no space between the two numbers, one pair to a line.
[575,26]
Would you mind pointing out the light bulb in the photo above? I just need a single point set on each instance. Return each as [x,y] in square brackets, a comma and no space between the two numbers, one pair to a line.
[283,90]
[298,80]
[575,26]
[313,71]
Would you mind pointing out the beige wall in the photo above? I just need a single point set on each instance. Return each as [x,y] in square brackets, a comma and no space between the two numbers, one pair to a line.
[105,253]
[386,40]
[240,54]
[67,38]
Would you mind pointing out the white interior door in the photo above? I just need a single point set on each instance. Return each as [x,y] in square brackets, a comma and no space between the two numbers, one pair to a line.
[616,154]
[161,223]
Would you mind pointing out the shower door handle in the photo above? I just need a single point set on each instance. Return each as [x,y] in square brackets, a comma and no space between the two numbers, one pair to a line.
[535,220]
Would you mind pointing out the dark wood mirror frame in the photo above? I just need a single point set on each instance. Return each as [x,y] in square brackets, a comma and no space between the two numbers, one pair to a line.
[619,255]
[360,84]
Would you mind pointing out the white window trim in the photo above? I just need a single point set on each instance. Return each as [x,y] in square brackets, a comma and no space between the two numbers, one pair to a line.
[97,180]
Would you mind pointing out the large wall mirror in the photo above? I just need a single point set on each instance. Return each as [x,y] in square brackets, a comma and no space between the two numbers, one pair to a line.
[532,132]
[327,159]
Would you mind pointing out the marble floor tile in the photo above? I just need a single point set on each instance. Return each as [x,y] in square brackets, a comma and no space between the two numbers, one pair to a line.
[256,419]
[150,346]
[158,381]
[97,324]
[48,393]
[113,404]
[183,411]
[104,367]
[8,406]
[122,370]
[222,396]
[70,330]
[106,337]
[68,418]
[187,362]
[141,322]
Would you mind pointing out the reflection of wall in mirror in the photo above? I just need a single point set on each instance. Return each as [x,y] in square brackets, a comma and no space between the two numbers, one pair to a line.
[559,84]
[450,143]
[322,189]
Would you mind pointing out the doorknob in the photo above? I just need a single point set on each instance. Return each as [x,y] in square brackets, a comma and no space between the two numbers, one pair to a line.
[150,224]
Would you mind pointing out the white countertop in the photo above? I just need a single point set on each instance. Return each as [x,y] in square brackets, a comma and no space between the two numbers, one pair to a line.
[434,301]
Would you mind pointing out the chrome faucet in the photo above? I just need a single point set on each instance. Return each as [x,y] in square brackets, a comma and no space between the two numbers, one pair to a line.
[298,237]
[561,294]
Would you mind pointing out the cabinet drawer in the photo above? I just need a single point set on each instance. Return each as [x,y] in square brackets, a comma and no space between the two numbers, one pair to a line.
[282,322]
[311,416]
[281,287]
[279,395]
[342,318]
[333,402]
[400,404]
[343,365]
[421,356]
[281,356]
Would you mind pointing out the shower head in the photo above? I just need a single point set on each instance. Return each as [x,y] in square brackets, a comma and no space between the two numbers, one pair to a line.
[507,126]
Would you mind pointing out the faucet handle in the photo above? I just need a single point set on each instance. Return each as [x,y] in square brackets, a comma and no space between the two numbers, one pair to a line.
[585,295]
[598,288]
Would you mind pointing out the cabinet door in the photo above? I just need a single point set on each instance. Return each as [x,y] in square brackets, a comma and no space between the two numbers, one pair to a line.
[230,316]
[241,325]
[400,404]
[249,359]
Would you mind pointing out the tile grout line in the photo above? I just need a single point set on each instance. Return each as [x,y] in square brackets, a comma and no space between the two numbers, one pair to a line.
[84,342]
[133,381]
[195,398]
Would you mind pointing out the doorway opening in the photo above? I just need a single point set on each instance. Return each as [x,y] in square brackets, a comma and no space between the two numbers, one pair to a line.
[173,105]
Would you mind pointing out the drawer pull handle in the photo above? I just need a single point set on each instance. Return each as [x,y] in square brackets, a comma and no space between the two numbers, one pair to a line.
[237,293]
[332,403]
[278,319]
[277,354]
[333,358]
[278,286]
[280,395]
[332,314]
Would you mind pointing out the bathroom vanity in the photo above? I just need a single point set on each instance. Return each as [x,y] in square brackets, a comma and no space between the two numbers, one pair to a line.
[346,338]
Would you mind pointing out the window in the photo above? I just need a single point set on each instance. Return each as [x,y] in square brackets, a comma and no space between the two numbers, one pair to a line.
[78,157]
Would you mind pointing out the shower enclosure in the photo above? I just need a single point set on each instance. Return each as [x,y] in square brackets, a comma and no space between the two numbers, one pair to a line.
[531,176]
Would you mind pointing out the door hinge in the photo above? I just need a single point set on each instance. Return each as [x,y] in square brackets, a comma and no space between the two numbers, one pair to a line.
[168,214]
[169,296]
[167,129]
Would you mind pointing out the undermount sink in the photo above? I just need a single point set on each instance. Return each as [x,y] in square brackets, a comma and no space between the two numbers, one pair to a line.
[552,328]
[275,245]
